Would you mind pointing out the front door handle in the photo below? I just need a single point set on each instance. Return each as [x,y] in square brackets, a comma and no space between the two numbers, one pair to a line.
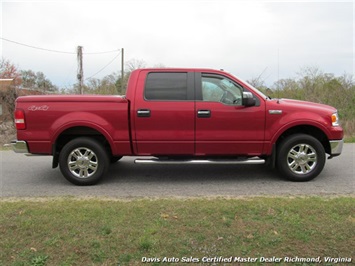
[143,113]
[203,113]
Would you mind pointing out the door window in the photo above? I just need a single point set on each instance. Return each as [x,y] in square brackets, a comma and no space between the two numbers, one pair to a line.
[221,89]
[166,86]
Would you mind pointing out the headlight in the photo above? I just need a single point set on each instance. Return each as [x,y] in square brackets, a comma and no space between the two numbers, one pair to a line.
[335,119]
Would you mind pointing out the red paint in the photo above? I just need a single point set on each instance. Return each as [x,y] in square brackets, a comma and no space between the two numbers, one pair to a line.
[173,127]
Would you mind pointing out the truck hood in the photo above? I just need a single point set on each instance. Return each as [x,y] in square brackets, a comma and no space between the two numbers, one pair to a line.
[305,105]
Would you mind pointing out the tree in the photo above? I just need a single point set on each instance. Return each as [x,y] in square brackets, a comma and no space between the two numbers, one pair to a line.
[9,95]
[37,81]
[288,88]
[106,85]
[130,65]
[9,71]
[114,83]
[28,79]
[133,64]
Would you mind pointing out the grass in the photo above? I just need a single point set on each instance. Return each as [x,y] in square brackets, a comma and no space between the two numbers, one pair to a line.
[350,139]
[69,231]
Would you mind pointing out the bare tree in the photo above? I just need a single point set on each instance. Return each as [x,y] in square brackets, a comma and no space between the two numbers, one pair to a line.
[133,64]
[9,71]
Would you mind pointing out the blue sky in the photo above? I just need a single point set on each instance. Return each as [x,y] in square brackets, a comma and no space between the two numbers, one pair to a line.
[246,38]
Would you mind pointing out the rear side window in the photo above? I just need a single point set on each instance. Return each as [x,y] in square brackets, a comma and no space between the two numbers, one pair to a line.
[166,86]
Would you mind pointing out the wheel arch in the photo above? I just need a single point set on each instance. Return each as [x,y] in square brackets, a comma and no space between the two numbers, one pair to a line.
[71,132]
[306,129]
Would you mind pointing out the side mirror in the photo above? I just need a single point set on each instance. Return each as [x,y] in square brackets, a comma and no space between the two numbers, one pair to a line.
[248,99]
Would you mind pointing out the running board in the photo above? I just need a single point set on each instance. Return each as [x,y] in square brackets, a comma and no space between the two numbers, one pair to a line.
[199,161]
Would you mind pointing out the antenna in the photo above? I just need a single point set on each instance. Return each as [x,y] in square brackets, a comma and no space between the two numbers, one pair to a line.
[278,72]
[122,69]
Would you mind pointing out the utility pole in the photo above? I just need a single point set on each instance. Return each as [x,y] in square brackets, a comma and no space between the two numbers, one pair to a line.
[122,68]
[80,73]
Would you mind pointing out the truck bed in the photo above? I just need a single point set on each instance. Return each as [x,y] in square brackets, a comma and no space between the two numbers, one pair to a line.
[105,115]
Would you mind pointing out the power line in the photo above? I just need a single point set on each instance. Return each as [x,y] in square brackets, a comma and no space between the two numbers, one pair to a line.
[34,47]
[55,51]
[103,67]
[107,52]
[65,52]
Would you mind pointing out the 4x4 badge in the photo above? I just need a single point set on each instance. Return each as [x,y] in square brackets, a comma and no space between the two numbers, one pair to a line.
[38,108]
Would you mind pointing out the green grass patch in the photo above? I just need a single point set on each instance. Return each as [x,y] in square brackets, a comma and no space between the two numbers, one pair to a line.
[69,231]
[350,139]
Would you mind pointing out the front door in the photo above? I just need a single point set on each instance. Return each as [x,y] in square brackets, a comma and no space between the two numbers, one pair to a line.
[223,125]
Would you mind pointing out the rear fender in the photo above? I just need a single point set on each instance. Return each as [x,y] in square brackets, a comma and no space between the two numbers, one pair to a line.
[83,119]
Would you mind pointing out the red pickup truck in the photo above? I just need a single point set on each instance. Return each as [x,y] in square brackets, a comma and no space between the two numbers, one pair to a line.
[178,116]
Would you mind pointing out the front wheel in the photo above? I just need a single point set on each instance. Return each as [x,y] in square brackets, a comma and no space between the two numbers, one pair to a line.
[300,157]
[83,161]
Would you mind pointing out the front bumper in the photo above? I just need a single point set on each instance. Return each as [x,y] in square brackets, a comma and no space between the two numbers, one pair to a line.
[336,147]
[19,146]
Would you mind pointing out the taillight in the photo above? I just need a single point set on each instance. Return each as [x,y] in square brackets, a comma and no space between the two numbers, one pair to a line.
[20,119]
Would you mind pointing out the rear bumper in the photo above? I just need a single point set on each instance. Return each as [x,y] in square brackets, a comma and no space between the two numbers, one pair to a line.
[19,146]
[336,147]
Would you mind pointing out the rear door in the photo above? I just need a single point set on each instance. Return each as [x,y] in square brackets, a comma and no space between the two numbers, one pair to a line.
[163,113]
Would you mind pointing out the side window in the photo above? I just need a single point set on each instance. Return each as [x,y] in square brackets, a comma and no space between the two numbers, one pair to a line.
[166,86]
[221,89]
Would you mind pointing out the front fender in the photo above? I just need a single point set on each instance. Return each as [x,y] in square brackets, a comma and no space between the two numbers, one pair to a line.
[277,124]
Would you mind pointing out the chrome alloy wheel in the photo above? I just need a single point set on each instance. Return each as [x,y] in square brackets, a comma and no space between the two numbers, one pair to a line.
[82,162]
[302,159]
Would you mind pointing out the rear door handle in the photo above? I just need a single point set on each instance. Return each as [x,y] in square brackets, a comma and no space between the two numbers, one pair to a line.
[143,113]
[203,113]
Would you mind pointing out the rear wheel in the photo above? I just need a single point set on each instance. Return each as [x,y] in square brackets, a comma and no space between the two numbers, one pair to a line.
[83,161]
[300,157]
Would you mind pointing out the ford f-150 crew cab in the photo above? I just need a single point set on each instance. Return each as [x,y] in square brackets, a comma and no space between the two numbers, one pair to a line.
[178,116]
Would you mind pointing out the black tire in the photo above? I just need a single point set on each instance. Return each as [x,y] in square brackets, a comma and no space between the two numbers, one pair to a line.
[83,161]
[300,157]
